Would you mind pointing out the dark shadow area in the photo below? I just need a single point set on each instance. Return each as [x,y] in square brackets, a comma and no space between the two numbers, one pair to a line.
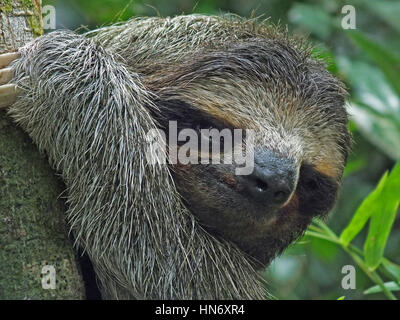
[89,276]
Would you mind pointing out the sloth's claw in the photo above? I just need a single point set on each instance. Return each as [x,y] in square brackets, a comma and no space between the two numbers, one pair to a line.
[8,91]
[7,58]
[8,95]
[6,75]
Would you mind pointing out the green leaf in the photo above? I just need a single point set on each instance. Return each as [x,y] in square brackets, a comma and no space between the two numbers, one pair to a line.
[384,58]
[382,218]
[341,298]
[362,214]
[392,269]
[391,286]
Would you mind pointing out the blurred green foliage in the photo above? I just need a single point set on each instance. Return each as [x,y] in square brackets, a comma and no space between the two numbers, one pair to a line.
[380,208]
[367,60]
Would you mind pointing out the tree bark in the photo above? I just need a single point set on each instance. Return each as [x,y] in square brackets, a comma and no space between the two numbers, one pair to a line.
[33,232]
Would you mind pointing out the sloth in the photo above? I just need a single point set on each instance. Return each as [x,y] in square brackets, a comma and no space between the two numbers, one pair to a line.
[182,230]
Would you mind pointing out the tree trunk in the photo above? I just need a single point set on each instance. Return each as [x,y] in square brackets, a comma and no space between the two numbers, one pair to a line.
[32,226]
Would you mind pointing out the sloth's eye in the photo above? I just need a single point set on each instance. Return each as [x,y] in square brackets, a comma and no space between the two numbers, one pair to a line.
[200,128]
[188,117]
[209,135]
[316,191]
[311,183]
[205,131]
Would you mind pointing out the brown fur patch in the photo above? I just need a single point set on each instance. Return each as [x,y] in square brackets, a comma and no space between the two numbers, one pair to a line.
[225,117]
[327,169]
[230,180]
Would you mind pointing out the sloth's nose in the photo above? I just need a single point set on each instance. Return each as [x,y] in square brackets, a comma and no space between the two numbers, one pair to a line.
[273,179]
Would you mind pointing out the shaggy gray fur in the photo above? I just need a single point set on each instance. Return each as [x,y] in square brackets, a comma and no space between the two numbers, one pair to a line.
[86,102]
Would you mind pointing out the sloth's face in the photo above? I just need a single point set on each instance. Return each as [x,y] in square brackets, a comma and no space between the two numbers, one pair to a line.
[294,177]
[295,109]
[262,212]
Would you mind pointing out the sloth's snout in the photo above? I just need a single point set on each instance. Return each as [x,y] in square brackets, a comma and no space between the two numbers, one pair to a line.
[273,179]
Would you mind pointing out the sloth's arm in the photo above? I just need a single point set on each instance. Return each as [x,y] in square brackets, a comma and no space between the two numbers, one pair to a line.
[73,96]
[8,92]
[87,111]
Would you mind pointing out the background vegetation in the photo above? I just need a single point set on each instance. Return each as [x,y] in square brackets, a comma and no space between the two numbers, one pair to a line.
[364,231]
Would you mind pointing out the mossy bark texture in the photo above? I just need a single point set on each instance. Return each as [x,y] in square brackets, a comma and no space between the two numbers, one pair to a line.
[33,232]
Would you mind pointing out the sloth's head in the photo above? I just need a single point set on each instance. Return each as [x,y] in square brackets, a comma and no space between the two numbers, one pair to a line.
[295,108]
